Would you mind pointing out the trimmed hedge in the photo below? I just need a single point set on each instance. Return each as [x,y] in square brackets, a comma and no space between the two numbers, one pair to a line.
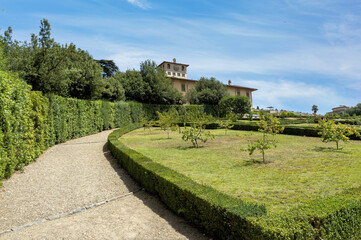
[220,215]
[225,217]
[31,122]
[289,130]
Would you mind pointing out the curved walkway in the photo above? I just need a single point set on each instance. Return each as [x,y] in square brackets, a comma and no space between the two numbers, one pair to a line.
[76,190]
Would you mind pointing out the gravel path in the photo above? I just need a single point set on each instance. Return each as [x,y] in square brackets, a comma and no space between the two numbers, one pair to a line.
[77,174]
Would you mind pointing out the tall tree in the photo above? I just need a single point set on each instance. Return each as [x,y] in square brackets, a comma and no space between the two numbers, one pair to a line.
[133,84]
[157,86]
[314,109]
[109,67]
[54,68]
[355,110]
[207,91]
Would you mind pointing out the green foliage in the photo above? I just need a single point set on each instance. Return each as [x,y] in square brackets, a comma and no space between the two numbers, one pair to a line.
[236,104]
[113,90]
[108,66]
[332,132]
[107,112]
[227,124]
[54,68]
[148,124]
[207,91]
[158,88]
[136,111]
[356,110]
[268,125]
[18,142]
[167,120]
[288,114]
[314,109]
[31,122]
[220,215]
[122,113]
[197,130]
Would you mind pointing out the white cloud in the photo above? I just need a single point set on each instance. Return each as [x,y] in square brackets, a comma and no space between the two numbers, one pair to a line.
[139,3]
[291,95]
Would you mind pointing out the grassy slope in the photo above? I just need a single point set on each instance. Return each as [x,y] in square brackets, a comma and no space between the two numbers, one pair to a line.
[299,169]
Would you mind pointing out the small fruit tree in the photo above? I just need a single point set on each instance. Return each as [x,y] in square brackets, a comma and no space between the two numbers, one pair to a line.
[197,130]
[227,124]
[332,132]
[147,124]
[269,126]
[167,120]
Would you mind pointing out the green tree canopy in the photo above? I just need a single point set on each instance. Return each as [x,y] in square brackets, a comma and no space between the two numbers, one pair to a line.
[236,104]
[133,84]
[109,67]
[314,109]
[54,68]
[355,110]
[207,91]
[149,85]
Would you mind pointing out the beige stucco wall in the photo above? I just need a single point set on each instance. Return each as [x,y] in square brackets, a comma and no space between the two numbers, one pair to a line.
[170,72]
[242,91]
[177,84]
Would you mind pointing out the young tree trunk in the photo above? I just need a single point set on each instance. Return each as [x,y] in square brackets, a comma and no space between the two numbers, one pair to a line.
[168,133]
[264,160]
[337,145]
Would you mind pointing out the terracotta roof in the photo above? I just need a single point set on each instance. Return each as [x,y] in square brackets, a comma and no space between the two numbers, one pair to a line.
[340,107]
[236,86]
[252,89]
[174,63]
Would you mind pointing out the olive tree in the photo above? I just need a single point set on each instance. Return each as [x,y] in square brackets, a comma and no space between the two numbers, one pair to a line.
[332,132]
[269,126]
[167,120]
[196,132]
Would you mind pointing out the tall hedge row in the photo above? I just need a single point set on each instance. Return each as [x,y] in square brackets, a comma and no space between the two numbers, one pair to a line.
[31,122]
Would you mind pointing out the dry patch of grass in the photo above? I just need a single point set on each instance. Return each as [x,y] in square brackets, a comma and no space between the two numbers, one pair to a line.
[298,170]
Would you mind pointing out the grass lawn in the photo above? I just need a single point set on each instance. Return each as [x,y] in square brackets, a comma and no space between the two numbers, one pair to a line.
[300,169]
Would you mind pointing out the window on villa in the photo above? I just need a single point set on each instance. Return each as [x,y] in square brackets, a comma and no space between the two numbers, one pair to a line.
[183,75]
[183,87]
[174,74]
[182,68]
[238,93]
[178,74]
[168,66]
[247,94]
[169,73]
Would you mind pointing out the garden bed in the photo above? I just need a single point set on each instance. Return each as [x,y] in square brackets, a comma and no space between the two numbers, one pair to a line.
[308,188]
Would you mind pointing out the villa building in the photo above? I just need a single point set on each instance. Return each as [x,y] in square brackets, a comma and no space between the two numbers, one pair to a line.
[178,73]
[340,110]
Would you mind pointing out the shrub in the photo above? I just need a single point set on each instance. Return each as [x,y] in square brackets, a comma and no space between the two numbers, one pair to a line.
[268,125]
[236,104]
[332,132]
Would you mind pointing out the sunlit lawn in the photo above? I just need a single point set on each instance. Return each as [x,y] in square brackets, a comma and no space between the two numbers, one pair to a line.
[298,170]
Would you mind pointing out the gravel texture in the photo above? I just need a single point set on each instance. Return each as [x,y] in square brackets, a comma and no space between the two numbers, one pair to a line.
[72,176]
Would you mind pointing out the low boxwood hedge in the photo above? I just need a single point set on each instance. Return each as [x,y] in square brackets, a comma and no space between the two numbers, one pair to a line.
[224,217]
[290,130]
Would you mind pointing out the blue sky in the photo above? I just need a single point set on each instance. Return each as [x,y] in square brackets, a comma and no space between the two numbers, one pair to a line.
[295,52]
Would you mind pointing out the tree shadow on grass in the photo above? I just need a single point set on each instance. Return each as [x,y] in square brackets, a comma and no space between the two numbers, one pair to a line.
[187,147]
[160,139]
[153,202]
[329,150]
[252,161]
